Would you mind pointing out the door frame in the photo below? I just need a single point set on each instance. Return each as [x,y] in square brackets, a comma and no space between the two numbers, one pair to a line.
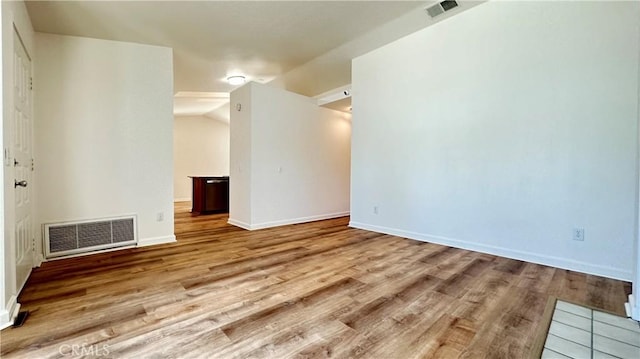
[634,298]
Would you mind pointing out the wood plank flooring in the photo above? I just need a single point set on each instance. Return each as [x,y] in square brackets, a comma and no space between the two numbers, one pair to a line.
[314,290]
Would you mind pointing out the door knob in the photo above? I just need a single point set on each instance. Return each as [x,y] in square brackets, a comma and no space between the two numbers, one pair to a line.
[22,183]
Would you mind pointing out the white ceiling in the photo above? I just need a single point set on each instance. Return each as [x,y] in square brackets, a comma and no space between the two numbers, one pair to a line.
[214,39]
[343,105]
[262,40]
[198,103]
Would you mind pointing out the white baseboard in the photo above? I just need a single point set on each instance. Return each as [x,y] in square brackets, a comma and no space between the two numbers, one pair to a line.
[38,260]
[557,262]
[628,306]
[8,315]
[188,199]
[240,224]
[285,222]
[156,240]
[632,307]
[90,253]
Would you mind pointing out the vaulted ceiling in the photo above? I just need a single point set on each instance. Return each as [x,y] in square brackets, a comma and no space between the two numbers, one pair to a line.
[262,40]
[214,39]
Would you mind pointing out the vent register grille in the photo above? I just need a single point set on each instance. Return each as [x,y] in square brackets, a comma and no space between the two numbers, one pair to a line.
[441,7]
[80,237]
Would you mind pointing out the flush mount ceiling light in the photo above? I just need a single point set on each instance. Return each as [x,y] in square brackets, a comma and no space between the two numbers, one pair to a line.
[236,80]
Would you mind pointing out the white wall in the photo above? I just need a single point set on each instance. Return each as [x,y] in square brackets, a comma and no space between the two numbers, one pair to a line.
[299,158]
[200,148]
[503,128]
[14,14]
[240,157]
[103,125]
[332,69]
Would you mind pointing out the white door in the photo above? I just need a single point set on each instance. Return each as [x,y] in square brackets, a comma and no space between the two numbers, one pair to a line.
[22,132]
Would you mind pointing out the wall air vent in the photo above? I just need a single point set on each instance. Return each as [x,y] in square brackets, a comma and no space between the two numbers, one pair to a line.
[69,238]
[441,7]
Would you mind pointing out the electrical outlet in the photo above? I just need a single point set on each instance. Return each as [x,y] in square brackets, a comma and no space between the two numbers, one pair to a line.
[578,234]
[375,209]
[160,217]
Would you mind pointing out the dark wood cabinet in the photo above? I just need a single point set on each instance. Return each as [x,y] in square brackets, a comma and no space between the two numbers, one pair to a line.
[209,195]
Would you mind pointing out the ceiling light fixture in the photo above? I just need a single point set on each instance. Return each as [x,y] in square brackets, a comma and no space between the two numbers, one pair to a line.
[236,80]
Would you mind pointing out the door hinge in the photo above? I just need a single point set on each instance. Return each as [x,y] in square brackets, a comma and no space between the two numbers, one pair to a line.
[32,165]
[30,83]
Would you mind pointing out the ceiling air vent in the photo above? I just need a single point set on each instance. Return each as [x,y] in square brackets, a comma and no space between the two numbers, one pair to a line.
[441,7]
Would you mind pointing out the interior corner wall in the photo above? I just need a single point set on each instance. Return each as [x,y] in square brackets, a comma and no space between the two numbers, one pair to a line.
[501,130]
[14,15]
[200,148]
[299,157]
[104,132]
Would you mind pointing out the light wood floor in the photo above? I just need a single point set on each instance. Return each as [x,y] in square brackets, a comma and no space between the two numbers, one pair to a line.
[310,290]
